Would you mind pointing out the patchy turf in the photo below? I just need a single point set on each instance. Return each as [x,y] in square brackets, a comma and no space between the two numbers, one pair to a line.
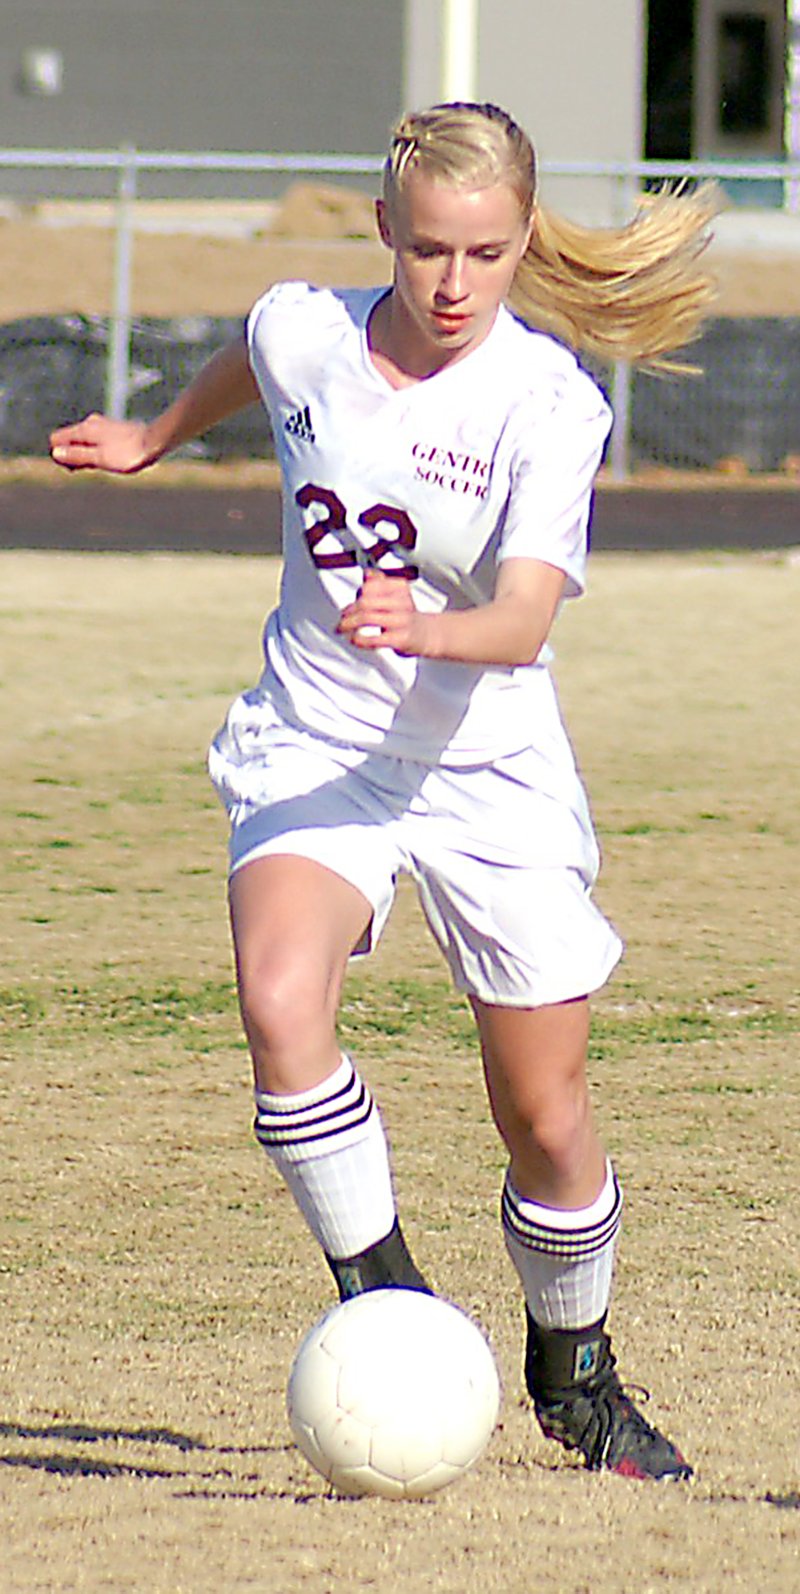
[155,1275]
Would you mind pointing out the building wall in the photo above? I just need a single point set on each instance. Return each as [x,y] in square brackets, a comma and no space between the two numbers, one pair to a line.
[571,72]
[316,75]
[298,75]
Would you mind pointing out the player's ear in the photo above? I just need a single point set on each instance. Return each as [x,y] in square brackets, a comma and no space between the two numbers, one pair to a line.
[384,224]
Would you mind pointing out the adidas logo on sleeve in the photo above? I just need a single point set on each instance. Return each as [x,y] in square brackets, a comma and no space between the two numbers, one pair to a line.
[299,425]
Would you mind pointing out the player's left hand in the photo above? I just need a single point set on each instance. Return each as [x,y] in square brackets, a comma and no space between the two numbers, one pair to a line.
[384,615]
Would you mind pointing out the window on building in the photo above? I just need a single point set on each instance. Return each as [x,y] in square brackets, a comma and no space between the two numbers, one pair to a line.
[745,72]
[670,82]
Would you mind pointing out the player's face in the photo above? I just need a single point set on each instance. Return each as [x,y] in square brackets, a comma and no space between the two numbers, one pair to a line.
[456,251]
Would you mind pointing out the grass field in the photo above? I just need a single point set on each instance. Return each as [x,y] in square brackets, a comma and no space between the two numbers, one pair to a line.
[155,1276]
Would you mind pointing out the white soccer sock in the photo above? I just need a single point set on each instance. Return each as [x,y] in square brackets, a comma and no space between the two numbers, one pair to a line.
[564,1258]
[328,1143]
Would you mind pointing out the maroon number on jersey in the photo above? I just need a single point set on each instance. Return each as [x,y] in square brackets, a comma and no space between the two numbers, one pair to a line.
[334,521]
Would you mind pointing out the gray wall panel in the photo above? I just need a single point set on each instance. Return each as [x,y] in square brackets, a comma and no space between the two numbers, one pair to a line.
[191,74]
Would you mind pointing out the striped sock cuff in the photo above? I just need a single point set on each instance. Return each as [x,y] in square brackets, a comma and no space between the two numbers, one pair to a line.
[330,1116]
[573,1236]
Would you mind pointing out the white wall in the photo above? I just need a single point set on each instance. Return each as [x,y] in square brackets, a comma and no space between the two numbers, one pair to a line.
[571,71]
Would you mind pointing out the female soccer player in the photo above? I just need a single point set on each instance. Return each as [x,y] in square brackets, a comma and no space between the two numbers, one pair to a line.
[438,453]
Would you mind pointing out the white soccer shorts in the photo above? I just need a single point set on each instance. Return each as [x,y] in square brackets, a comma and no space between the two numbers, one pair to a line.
[503,856]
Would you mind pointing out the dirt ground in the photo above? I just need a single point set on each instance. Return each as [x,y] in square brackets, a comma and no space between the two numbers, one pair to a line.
[156,1278]
[51,268]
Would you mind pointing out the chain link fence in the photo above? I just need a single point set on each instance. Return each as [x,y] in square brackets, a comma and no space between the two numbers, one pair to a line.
[115,303]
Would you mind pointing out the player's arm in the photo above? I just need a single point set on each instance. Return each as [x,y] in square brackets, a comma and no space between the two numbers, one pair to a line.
[510,629]
[224,385]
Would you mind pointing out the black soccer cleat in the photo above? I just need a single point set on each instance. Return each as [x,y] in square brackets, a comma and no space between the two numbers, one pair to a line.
[578,1399]
[386,1265]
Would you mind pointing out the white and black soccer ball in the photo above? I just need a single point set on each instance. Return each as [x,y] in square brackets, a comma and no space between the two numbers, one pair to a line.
[393,1392]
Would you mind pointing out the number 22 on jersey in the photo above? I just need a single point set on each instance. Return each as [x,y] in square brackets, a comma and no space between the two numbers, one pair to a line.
[383,553]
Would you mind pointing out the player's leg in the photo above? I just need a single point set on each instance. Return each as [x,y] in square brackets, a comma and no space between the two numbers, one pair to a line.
[295,924]
[536,1078]
[507,894]
[561,1213]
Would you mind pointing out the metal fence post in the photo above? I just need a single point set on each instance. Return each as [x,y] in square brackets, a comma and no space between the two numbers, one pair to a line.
[619,454]
[119,338]
[619,448]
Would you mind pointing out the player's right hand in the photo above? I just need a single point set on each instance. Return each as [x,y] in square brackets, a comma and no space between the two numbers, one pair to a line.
[100,443]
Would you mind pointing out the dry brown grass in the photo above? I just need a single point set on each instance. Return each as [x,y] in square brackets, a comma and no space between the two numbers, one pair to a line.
[69,269]
[156,1278]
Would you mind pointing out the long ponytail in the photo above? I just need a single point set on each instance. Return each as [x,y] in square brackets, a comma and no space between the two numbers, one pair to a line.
[636,293]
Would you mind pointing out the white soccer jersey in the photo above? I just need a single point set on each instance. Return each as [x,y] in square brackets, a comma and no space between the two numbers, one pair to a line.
[492,457]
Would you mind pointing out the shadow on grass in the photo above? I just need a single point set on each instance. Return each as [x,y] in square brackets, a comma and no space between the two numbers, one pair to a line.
[84,1434]
[63,1464]
[79,1467]
[81,1433]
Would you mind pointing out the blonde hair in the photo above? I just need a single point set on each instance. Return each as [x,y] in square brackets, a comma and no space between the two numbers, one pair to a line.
[636,292]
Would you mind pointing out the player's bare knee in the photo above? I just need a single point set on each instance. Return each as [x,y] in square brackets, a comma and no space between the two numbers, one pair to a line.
[554,1132]
[284,1009]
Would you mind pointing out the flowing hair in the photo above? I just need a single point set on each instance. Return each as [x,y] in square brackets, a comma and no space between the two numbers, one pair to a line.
[637,292]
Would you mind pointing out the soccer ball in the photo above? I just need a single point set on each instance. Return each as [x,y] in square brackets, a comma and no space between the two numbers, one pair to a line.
[393,1392]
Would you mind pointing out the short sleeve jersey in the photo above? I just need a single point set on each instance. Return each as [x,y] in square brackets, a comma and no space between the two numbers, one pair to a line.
[491,458]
